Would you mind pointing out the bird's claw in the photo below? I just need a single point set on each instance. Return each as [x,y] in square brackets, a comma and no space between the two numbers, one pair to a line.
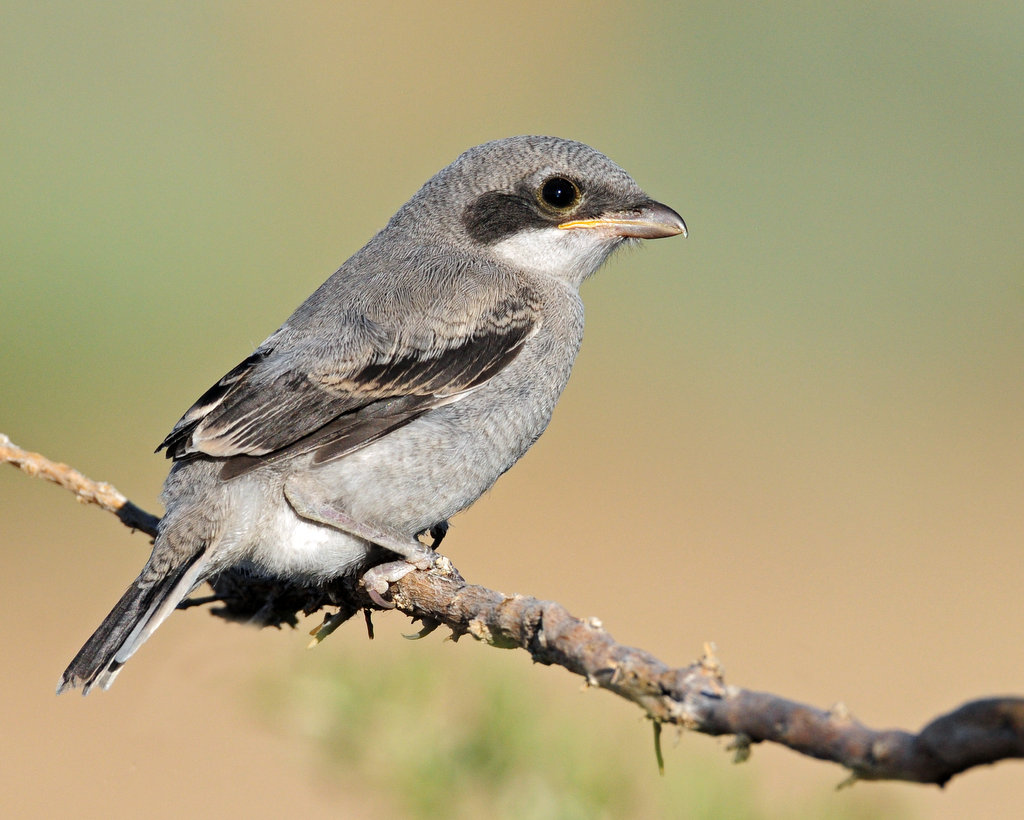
[377,579]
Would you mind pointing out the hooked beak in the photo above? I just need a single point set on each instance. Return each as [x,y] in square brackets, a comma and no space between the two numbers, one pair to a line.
[651,220]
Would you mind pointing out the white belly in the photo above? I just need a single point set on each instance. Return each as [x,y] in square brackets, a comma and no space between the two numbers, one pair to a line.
[307,548]
[267,534]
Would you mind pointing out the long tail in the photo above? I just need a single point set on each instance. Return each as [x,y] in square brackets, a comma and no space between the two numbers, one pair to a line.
[145,605]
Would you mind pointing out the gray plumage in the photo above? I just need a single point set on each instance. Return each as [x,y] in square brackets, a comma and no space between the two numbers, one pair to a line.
[396,394]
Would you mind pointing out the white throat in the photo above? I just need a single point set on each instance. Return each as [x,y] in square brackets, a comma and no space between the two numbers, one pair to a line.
[570,255]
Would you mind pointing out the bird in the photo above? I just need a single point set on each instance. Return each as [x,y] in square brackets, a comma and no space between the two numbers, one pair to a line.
[396,394]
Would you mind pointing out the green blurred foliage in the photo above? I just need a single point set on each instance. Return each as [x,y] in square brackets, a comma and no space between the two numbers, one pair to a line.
[462,739]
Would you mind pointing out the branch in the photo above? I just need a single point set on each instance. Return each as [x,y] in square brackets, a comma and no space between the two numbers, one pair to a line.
[694,697]
[85,489]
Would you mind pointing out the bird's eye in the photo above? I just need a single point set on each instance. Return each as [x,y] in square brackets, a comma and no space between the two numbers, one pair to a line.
[560,193]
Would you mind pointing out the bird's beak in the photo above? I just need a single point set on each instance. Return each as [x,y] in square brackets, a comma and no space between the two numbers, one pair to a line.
[651,220]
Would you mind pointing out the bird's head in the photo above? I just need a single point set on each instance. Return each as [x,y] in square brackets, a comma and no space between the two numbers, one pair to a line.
[543,204]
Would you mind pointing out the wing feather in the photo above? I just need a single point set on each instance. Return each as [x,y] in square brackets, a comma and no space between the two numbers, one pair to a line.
[273,405]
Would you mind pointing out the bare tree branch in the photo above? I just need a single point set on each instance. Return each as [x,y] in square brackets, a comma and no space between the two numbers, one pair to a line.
[694,697]
[85,489]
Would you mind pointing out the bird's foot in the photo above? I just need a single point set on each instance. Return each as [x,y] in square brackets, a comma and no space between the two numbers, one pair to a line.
[377,579]
[437,533]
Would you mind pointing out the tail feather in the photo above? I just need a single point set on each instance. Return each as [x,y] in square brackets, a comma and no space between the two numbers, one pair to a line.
[142,608]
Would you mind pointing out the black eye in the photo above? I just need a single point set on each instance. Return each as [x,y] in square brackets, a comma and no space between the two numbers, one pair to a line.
[560,193]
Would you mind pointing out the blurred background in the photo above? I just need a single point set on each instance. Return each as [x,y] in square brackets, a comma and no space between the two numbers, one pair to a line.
[797,433]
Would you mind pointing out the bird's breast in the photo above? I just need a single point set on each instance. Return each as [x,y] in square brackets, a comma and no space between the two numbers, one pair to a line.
[441,463]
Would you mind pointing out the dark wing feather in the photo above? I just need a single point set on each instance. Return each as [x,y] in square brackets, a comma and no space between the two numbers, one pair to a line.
[251,410]
[342,435]
[261,412]
[177,441]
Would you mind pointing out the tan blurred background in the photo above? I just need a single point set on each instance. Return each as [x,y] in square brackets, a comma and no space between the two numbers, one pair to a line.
[798,433]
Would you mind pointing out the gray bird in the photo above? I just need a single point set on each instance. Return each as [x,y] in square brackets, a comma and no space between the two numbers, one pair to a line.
[396,394]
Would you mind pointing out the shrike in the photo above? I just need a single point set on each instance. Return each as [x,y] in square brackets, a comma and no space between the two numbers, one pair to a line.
[396,394]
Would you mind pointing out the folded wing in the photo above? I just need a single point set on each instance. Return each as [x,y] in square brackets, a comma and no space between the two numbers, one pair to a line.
[279,403]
